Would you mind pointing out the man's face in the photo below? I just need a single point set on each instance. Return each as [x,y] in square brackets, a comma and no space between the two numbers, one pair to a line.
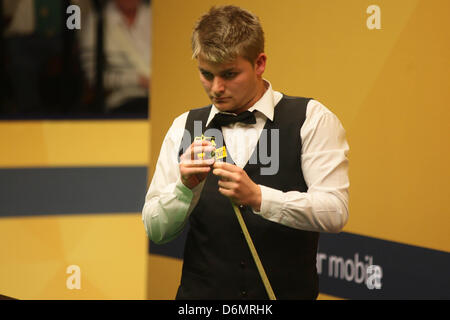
[233,86]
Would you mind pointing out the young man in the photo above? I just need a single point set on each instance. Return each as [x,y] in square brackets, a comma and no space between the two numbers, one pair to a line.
[285,206]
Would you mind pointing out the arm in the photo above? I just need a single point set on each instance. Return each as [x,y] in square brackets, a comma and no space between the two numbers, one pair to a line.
[175,188]
[324,207]
[168,201]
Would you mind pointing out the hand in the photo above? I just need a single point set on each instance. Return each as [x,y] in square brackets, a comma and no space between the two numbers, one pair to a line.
[237,185]
[194,170]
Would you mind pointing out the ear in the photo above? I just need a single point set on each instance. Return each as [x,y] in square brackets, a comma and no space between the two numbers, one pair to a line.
[260,64]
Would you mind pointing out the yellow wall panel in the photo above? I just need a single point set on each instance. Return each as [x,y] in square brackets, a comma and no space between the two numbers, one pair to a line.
[400,175]
[109,249]
[163,277]
[74,143]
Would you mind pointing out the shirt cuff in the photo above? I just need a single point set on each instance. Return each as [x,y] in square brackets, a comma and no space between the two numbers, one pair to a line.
[272,201]
[183,193]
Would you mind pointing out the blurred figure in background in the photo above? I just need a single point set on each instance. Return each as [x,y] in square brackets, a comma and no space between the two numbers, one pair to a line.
[33,41]
[127,54]
[39,58]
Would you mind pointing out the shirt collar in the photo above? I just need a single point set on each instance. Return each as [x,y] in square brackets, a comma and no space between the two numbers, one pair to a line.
[265,105]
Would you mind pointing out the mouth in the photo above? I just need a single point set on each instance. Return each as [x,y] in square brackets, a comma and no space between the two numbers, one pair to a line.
[221,100]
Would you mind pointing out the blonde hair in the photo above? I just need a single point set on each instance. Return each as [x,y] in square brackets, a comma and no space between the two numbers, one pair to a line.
[226,32]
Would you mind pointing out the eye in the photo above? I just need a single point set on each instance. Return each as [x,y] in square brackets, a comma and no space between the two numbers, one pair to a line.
[207,75]
[229,75]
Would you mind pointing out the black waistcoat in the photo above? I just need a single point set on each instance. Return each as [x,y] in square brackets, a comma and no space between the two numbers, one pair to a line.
[217,261]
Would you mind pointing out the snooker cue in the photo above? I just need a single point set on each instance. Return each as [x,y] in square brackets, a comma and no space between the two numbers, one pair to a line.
[254,253]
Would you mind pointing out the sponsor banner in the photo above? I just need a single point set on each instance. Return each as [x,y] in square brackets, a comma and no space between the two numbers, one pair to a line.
[358,267]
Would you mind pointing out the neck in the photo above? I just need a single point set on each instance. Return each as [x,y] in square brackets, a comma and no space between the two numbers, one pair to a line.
[260,90]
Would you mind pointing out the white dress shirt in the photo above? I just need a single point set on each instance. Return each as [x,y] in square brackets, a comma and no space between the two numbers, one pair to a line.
[127,50]
[323,208]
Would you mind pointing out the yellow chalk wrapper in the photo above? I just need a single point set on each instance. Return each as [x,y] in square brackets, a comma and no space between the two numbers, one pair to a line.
[219,153]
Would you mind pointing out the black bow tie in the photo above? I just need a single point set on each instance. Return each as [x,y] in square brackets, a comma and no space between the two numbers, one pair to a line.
[223,119]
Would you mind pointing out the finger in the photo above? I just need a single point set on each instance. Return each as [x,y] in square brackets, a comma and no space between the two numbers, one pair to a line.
[192,149]
[196,155]
[200,148]
[227,184]
[223,174]
[203,152]
[196,152]
[187,172]
[197,163]
[195,169]
[201,143]
[226,192]
[226,166]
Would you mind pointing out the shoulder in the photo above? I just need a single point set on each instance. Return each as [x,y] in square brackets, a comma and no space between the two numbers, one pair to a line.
[319,117]
[176,130]
[201,110]
[179,123]
[314,109]
[317,109]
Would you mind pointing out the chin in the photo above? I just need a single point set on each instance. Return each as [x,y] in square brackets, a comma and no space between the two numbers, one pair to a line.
[225,106]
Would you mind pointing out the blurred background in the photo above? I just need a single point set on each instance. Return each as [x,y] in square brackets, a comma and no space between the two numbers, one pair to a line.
[63,61]
[74,138]
[85,105]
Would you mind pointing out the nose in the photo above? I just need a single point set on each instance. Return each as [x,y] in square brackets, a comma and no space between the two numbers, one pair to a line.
[218,86]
